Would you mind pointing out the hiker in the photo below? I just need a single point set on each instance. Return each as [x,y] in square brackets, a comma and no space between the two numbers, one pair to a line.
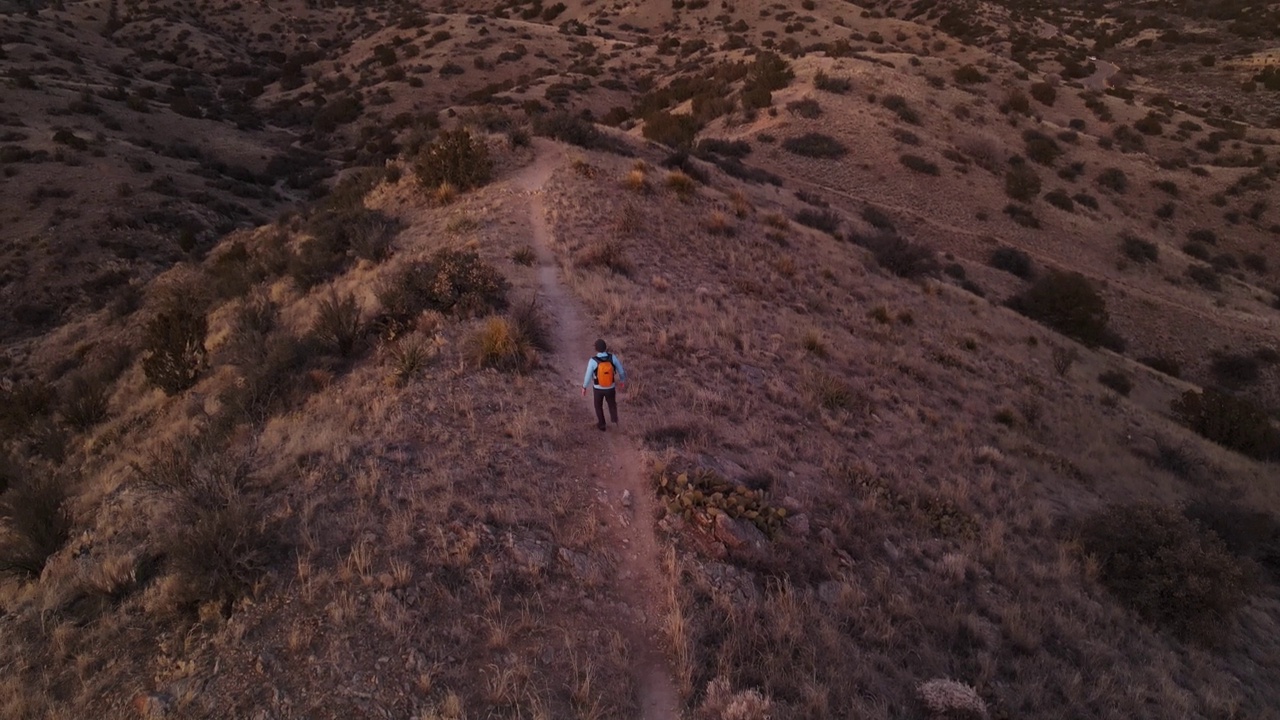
[603,370]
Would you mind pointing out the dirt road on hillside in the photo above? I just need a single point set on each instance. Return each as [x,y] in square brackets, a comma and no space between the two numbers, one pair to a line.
[611,459]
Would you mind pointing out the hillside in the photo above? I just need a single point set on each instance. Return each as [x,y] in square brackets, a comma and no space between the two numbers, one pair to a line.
[952,338]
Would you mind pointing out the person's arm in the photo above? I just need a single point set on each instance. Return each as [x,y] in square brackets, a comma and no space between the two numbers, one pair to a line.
[622,373]
[586,379]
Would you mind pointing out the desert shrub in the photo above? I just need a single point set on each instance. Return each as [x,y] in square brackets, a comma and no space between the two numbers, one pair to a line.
[1203,235]
[1113,179]
[985,152]
[968,74]
[1117,380]
[900,107]
[1235,370]
[1162,363]
[676,131]
[1016,102]
[877,218]
[23,405]
[827,221]
[313,261]
[1041,148]
[85,401]
[531,324]
[606,254]
[339,229]
[1011,260]
[906,137]
[1063,358]
[1149,124]
[1022,183]
[1060,199]
[1178,458]
[173,348]
[806,108]
[34,522]
[1246,533]
[726,148]
[1137,249]
[1231,421]
[1197,250]
[450,281]
[1023,216]
[815,145]
[1223,262]
[338,326]
[919,164]
[1128,140]
[457,158]
[1255,262]
[1205,276]
[270,373]
[1044,93]
[903,257]
[217,541]
[1165,567]
[828,83]
[1086,200]
[567,127]
[499,344]
[1068,303]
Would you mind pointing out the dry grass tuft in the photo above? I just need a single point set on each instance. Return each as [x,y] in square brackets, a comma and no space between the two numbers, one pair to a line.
[777,220]
[722,703]
[408,355]
[813,344]
[681,184]
[444,194]
[637,181]
[607,254]
[952,699]
[629,220]
[718,223]
[524,256]
[499,344]
[829,391]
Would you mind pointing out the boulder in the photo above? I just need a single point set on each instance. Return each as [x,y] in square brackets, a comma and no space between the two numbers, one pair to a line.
[738,534]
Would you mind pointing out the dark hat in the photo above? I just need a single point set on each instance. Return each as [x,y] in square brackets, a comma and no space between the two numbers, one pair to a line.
[600,346]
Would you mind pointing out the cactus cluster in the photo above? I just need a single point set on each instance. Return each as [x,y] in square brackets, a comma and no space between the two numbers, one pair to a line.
[699,496]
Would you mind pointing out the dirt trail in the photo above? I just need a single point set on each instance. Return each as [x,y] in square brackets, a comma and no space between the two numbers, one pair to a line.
[616,464]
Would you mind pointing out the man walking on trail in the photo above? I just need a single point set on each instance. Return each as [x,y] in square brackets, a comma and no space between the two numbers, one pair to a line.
[603,373]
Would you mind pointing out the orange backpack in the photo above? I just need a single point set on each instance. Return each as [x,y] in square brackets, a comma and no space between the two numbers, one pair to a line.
[604,372]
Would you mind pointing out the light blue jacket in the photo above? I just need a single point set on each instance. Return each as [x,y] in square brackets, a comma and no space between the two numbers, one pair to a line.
[619,375]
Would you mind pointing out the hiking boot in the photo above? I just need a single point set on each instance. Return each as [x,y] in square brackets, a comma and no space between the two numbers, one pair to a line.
[602,427]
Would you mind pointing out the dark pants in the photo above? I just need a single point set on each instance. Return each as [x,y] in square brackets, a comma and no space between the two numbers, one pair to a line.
[600,396]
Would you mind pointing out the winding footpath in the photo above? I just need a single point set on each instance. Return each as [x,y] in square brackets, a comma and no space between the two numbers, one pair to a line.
[618,467]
